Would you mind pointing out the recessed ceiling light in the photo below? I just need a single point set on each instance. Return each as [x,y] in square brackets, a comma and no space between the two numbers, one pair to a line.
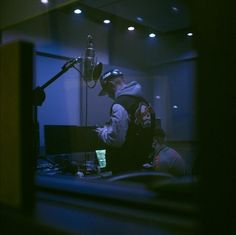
[190,34]
[131,28]
[140,19]
[77,11]
[175,9]
[44,1]
[152,35]
[175,106]
[106,21]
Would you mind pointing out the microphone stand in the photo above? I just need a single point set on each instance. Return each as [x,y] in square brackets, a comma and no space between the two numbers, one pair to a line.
[39,97]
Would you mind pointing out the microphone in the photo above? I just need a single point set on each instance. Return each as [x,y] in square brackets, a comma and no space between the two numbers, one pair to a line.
[91,69]
[89,59]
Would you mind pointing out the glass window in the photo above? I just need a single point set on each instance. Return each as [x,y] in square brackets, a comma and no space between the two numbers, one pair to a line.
[75,43]
[71,41]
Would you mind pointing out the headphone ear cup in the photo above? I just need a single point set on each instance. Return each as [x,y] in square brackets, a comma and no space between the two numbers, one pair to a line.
[117,72]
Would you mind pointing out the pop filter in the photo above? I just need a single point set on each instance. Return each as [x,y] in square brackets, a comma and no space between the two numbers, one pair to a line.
[97,71]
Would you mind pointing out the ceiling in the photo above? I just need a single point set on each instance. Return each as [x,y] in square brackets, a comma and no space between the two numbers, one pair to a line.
[169,18]
[161,15]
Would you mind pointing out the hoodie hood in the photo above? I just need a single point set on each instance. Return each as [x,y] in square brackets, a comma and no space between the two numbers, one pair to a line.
[132,88]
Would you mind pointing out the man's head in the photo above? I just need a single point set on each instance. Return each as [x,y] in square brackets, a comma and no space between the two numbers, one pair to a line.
[110,81]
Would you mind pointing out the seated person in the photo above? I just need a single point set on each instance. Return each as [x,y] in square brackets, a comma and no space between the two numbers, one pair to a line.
[164,158]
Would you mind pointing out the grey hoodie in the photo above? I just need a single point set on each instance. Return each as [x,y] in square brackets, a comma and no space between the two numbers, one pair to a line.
[132,88]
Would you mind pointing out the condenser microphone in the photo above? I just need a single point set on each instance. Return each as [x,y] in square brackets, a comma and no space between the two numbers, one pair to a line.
[91,69]
[89,59]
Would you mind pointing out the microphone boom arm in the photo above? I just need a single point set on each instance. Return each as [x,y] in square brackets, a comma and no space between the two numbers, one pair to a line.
[38,93]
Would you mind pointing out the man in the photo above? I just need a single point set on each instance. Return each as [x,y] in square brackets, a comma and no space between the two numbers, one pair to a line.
[128,134]
[164,158]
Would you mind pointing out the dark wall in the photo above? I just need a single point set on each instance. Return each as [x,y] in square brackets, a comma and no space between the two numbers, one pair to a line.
[174,98]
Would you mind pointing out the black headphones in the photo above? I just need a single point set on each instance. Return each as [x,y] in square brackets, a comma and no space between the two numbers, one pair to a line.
[111,74]
[106,77]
